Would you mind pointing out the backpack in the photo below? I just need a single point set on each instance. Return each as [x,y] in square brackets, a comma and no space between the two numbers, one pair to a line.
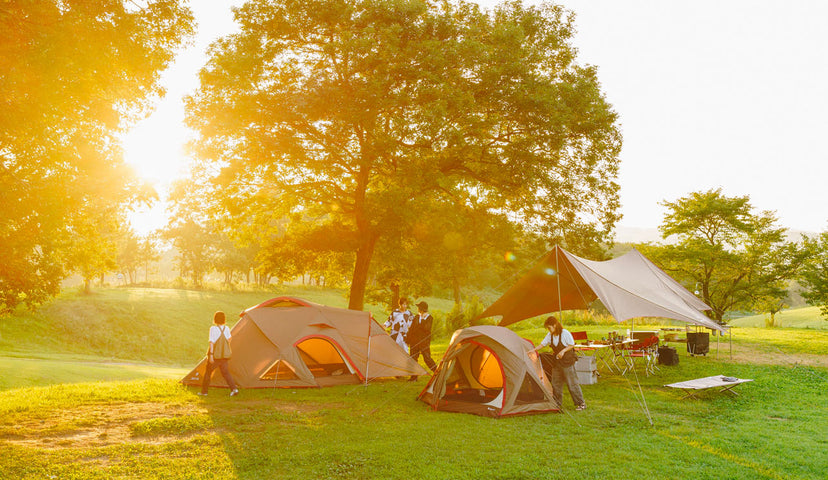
[221,349]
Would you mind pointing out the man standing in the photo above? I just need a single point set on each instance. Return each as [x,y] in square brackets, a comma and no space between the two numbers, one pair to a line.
[419,337]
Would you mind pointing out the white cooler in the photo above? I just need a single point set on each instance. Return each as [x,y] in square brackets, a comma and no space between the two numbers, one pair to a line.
[587,370]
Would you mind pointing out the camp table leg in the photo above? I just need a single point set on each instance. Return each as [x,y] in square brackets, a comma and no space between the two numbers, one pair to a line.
[601,355]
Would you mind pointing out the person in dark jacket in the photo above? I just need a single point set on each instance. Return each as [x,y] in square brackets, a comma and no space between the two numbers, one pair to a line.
[419,337]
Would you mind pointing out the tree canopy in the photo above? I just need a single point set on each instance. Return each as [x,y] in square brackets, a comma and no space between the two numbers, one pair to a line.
[734,257]
[814,275]
[365,118]
[73,74]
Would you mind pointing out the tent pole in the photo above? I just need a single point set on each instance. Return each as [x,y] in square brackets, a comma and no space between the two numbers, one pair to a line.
[368,354]
[558,273]
[278,364]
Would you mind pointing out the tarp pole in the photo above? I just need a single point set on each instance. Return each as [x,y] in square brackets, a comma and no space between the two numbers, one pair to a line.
[558,274]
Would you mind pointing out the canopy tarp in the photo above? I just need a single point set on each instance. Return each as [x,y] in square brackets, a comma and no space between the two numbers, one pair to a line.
[630,286]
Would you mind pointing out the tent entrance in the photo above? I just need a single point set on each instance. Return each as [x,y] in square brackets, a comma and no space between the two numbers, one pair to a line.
[530,392]
[323,358]
[475,375]
[279,370]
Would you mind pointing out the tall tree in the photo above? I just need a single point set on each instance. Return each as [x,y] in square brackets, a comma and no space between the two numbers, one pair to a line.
[94,249]
[191,233]
[815,273]
[148,252]
[351,111]
[73,75]
[736,258]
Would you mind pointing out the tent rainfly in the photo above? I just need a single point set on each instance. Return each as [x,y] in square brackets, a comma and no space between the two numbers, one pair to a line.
[629,286]
[288,342]
[489,371]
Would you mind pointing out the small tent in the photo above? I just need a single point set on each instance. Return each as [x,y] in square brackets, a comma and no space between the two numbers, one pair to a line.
[288,342]
[630,286]
[489,371]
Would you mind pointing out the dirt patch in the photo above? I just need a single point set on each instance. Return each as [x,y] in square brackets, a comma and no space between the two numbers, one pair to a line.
[768,356]
[90,426]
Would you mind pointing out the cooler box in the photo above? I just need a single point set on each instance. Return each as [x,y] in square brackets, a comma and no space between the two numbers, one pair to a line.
[587,370]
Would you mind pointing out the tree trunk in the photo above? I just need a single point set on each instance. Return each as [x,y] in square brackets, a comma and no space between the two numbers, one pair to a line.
[395,295]
[359,281]
[455,286]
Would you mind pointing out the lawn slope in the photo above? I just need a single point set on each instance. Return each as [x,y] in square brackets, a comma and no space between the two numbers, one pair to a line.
[804,317]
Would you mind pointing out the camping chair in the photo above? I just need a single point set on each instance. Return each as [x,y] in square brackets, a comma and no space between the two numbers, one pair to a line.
[581,338]
[643,350]
[619,352]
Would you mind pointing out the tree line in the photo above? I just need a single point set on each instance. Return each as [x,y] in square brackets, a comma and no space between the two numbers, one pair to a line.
[378,146]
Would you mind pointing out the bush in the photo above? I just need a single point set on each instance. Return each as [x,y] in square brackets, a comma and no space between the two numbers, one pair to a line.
[455,319]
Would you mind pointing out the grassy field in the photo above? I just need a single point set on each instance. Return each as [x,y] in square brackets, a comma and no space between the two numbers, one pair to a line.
[805,317]
[114,409]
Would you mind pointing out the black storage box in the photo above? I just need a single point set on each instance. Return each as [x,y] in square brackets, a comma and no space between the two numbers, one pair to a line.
[698,343]
[667,356]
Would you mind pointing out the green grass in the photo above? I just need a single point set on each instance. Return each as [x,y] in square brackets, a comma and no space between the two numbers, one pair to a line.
[775,429]
[160,326]
[21,372]
[804,317]
[76,404]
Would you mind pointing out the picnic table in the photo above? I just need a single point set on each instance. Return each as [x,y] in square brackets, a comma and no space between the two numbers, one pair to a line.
[724,383]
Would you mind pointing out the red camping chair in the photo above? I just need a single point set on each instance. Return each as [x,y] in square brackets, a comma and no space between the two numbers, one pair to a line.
[581,339]
[644,350]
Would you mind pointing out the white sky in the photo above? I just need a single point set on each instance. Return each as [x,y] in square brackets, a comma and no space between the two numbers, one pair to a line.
[710,94]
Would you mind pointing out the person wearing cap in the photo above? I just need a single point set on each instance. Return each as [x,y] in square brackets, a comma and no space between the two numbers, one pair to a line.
[419,337]
[398,323]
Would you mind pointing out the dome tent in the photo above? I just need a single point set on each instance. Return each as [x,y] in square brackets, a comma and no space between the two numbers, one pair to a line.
[289,342]
[489,371]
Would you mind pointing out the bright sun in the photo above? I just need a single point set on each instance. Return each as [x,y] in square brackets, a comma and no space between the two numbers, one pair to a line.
[155,149]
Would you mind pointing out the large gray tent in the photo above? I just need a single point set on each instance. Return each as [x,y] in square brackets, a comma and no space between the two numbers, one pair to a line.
[630,286]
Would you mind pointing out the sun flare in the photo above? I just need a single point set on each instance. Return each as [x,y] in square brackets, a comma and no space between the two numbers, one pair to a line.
[154,148]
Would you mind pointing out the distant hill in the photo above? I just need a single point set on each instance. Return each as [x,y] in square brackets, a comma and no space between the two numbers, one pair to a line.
[805,317]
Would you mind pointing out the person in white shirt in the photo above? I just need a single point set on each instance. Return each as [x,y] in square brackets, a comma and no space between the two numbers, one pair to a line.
[560,365]
[218,330]
[398,323]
